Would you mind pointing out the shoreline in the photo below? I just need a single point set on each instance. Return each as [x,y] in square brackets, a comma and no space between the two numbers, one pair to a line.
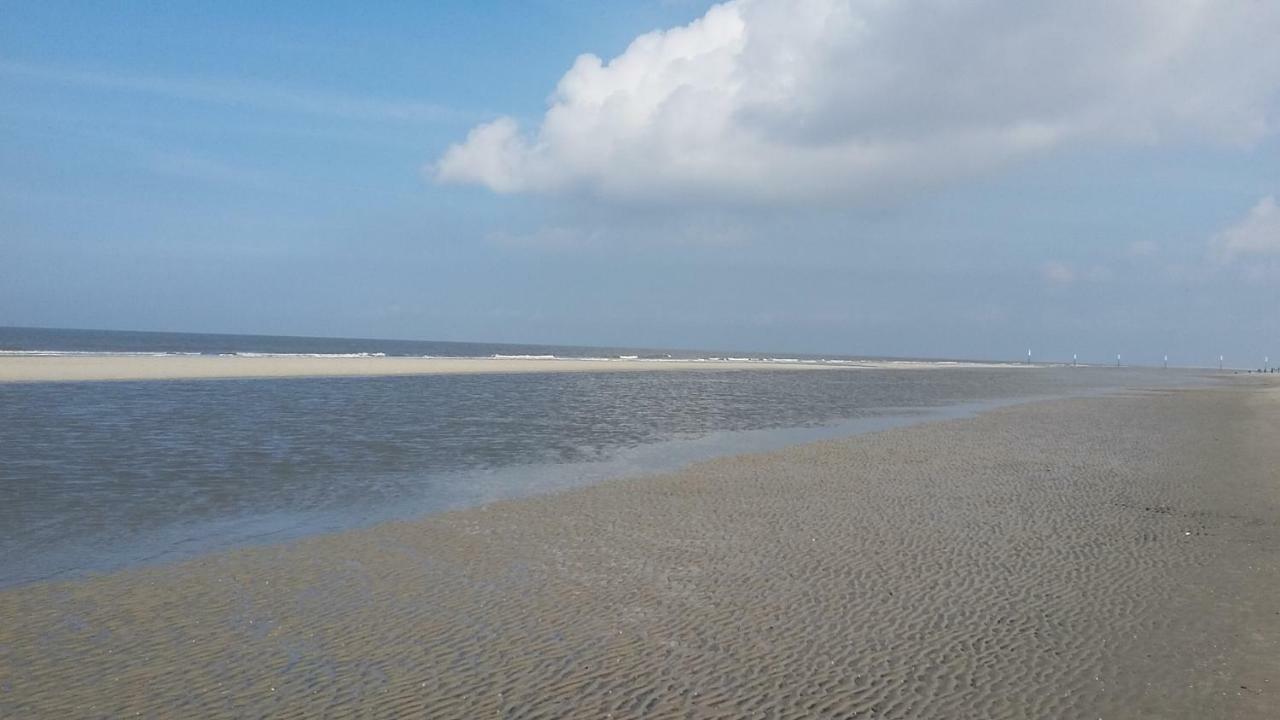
[1101,556]
[103,367]
[509,483]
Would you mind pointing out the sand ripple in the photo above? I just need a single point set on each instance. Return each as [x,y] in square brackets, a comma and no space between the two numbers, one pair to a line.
[1083,558]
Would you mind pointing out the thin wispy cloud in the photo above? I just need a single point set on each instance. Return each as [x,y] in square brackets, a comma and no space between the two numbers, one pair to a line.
[188,165]
[236,93]
[1256,234]
[1058,273]
[1142,249]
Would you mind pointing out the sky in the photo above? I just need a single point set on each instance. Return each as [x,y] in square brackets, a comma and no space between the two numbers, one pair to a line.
[957,178]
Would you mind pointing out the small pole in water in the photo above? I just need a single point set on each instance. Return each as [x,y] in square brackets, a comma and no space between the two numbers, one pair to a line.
[1028,356]
[1166,362]
[1220,362]
[1074,358]
[1117,359]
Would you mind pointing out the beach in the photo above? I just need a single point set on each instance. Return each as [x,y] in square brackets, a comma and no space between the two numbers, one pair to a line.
[98,367]
[1111,556]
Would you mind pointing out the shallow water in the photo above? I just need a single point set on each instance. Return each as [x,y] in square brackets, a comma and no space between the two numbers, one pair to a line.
[97,476]
[1102,557]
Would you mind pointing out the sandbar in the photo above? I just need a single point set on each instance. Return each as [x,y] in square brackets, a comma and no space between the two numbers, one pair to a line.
[92,367]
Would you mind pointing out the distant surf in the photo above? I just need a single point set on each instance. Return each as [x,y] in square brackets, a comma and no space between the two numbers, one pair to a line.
[19,341]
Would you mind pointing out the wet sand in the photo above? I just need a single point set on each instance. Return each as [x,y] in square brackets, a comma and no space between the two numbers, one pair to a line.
[1100,557]
[64,368]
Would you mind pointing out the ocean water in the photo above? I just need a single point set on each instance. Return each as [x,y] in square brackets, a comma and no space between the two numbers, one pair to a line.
[100,476]
[50,341]
[57,341]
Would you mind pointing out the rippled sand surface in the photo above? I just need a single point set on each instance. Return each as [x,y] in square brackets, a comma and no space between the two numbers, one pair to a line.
[1102,557]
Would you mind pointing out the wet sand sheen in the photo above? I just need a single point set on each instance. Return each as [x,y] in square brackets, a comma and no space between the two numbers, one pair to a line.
[1112,557]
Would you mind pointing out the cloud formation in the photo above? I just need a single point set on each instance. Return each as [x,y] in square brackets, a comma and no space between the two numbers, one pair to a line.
[792,101]
[1258,233]
[1058,273]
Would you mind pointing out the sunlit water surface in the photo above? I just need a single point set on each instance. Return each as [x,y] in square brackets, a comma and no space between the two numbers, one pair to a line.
[98,476]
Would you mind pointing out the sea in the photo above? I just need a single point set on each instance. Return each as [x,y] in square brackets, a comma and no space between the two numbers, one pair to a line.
[101,476]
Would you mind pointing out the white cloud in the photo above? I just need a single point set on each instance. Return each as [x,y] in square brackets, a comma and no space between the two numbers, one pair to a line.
[803,100]
[1062,274]
[1058,273]
[1142,249]
[1100,274]
[1258,233]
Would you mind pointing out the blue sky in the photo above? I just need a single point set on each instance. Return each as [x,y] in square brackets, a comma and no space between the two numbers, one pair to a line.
[817,176]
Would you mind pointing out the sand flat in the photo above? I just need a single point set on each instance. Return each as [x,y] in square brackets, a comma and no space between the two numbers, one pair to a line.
[1099,557]
[66,368]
